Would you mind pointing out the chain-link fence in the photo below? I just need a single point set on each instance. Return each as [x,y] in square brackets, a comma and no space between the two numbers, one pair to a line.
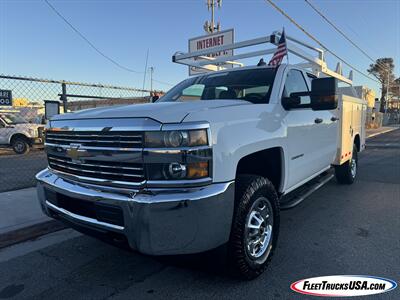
[392,117]
[22,117]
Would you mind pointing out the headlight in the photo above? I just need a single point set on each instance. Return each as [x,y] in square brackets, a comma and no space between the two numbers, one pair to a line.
[178,155]
[176,138]
[32,132]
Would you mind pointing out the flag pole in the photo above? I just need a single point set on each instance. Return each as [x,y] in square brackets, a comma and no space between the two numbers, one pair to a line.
[287,50]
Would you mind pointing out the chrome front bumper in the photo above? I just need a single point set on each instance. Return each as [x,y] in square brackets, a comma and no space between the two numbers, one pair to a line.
[157,221]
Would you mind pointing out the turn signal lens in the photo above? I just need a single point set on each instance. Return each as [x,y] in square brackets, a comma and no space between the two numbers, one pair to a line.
[197,170]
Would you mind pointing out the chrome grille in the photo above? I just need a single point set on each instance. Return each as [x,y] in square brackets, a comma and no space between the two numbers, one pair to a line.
[115,139]
[116,171]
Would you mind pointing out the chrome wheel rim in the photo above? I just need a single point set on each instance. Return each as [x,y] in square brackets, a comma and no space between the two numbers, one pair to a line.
[259,225]
[353,167]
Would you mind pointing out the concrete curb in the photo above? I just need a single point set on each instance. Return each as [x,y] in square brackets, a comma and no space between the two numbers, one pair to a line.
[381,132]
[29,232]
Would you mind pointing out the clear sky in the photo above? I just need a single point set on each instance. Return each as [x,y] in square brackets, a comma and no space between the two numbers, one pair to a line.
[35,42]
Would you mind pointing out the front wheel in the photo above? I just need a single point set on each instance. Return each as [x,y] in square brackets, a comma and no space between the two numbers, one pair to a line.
[255,226]
[20,145]
[347,172]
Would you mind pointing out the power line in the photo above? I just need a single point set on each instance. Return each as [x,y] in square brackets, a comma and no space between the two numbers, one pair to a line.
[88,41]
[316,40]
[343,34]
[94,47]
[163,82]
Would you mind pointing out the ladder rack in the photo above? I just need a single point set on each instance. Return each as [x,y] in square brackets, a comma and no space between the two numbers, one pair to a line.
[315,64]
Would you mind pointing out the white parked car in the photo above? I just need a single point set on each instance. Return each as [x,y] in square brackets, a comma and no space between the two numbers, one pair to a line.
[210,163]
[17,133]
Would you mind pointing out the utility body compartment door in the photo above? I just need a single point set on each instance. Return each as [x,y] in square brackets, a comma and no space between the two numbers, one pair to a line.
[352,113]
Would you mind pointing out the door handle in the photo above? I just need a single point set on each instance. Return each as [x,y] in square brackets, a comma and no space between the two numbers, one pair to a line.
[318,120]
[333,119]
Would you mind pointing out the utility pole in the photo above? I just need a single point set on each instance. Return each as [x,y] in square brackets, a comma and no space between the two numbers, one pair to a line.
[387,91]
[210,27]
[145,70]
[151,78]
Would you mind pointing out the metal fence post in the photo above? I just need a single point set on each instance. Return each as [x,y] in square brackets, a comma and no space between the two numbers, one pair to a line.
[63,96]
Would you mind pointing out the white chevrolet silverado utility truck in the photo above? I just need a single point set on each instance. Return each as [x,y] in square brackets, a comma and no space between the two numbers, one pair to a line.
[209,164]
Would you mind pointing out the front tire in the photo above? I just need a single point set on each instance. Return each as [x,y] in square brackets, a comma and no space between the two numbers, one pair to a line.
[20,145]
[347,172]
[255,226]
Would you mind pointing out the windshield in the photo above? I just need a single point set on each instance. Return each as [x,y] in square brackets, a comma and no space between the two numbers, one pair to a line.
[12,119]
[250,85]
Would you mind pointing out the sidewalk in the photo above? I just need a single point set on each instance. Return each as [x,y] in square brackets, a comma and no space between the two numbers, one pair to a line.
[376,131]
[21,217]
[19,209]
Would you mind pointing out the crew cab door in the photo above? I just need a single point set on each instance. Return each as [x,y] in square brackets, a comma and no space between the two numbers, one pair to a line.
[311,137]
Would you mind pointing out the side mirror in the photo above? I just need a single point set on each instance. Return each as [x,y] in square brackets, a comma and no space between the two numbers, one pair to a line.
[154,98]
[294,101]
[324,93]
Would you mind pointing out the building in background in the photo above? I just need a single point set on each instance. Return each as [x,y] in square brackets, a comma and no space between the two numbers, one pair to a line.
[18,102]
[367,94]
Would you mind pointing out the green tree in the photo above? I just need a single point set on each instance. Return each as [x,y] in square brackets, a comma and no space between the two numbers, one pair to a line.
[382,69]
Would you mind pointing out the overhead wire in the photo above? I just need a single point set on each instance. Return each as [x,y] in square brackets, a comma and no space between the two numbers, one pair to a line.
[319,12]
[281,11]
[107,57]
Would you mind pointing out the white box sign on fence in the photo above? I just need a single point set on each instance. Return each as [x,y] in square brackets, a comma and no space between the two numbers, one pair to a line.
[210,41]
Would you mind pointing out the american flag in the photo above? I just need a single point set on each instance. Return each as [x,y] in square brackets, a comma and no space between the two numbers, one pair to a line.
[280,52]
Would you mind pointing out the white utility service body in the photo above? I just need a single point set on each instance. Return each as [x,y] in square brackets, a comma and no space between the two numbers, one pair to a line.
[352,112]
[208,163]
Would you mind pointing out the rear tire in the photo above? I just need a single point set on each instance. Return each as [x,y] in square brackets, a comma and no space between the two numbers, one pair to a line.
[347,172]
[255,226]
[20,145]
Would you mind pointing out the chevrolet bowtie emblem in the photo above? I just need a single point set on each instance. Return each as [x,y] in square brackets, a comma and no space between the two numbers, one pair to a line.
[75,153]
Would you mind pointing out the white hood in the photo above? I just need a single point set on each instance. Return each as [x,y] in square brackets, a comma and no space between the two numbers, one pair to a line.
[164,112]
[27,125]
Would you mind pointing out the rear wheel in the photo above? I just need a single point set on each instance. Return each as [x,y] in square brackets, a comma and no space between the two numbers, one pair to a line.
[255,226]
[347,172]
[20,145]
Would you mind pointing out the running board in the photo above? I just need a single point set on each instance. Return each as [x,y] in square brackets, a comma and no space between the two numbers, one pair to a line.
[297,196]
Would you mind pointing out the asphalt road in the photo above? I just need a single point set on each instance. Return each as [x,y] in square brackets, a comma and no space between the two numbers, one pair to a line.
[18,171]
[337,230]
